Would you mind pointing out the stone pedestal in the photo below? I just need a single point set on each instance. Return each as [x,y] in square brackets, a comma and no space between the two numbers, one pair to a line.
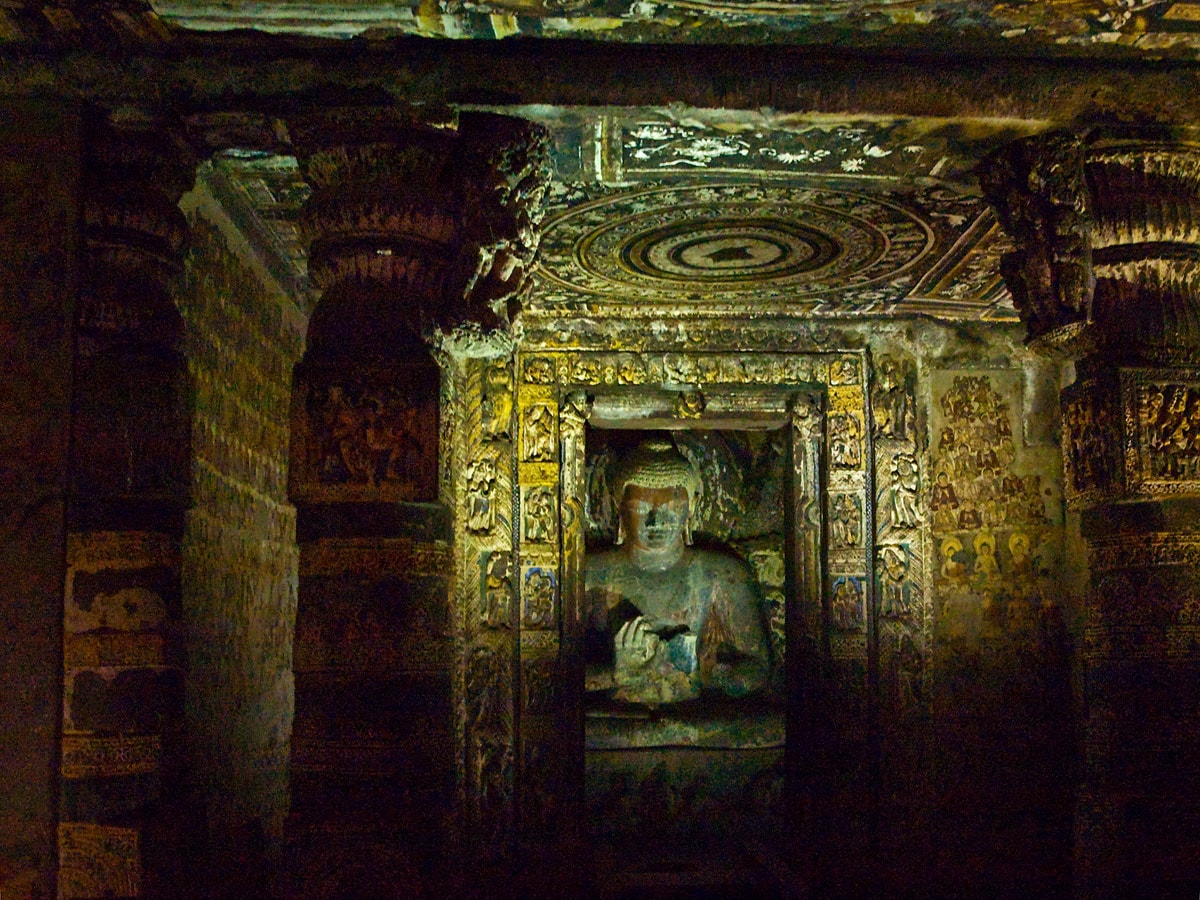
[1106,271]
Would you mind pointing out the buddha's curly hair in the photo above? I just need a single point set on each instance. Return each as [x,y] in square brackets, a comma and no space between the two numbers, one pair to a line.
[656,463]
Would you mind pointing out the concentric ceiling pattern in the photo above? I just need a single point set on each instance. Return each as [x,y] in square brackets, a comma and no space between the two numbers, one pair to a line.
[735,242]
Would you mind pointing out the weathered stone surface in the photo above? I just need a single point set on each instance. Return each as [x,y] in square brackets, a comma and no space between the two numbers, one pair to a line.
[239,553]
[40,263]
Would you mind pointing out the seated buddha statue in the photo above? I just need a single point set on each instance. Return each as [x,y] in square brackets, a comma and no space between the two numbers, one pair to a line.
[667,622]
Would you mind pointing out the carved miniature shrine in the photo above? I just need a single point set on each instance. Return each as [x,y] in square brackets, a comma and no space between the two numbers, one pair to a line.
[691,448]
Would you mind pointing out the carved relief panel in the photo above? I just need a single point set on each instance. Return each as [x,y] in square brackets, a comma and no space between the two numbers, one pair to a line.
[847,508]
[362,434]
[1136,435]
[479,413]
[904,610]
[1162,414]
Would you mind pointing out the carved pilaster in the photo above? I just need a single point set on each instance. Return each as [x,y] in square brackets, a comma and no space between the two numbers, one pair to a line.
[1128,304]
[131,433]
[422,227]
[436,215]
[130,471]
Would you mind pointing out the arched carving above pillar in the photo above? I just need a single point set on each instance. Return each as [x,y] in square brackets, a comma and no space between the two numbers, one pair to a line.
[439,210]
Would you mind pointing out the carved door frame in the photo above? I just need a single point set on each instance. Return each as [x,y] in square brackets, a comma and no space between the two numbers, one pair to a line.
[645,391]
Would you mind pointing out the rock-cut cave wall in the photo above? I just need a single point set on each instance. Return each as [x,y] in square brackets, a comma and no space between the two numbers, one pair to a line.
[239,556]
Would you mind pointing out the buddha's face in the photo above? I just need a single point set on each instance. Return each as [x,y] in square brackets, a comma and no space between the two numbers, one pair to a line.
[654,517]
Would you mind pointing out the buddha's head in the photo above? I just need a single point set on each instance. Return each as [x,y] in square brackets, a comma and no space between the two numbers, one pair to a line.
[657,492]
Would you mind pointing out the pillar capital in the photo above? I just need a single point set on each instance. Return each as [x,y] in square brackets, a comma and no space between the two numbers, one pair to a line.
[1107,228]
[438,210]
[136,170]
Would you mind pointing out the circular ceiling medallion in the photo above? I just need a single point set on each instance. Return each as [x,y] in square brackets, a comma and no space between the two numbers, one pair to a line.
[724,249]
[732,241]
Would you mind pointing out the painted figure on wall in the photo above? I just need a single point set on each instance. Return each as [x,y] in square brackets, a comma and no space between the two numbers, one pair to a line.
[667,622]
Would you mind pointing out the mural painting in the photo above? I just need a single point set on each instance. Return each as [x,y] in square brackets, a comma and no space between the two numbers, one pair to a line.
[994,511]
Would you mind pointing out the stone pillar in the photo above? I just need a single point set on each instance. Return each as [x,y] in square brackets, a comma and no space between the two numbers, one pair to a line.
[40,264]
[123,672]
[423,231]
[1107,270]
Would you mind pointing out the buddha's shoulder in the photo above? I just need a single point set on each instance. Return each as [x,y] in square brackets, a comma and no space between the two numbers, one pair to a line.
[604,560]
[721,564]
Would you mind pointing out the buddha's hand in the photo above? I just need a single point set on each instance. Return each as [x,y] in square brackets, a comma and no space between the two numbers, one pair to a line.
[635,646]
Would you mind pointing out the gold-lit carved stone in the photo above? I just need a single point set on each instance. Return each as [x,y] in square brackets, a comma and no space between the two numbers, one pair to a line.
[443,213]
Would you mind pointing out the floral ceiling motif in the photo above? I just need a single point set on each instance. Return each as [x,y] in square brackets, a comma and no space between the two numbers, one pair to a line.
[824,248]
[733,243]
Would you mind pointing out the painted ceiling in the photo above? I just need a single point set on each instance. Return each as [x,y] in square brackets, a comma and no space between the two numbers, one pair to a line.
[1091,27]
[717,212]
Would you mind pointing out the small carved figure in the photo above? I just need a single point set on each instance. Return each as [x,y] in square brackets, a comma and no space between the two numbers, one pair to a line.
[846,605]
[481,479]
[497,589]
[539,370]
[679,369]
[666,622]
[344,423]
[539,598]
[893,578]
[539,515]
[493,771]
[497,402]
[846,520]
[892,398]
[905,487]
[482,688]
[586,371]
[690,405]
[843,370]
[632,371]
[537,435]
[538,685]
[845,451]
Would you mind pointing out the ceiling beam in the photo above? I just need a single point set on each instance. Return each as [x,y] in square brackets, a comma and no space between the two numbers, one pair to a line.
[249,71]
